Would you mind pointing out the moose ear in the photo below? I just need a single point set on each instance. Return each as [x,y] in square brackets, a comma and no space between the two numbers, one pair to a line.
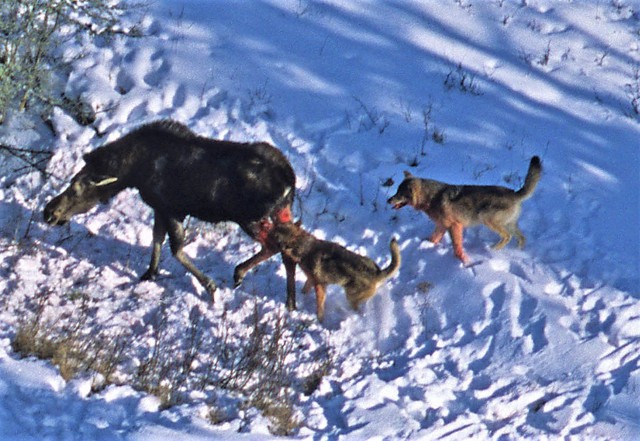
[104,180]
[408,174]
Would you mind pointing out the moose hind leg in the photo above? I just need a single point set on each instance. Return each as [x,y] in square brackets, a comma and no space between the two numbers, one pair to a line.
[176,240]
[159,233]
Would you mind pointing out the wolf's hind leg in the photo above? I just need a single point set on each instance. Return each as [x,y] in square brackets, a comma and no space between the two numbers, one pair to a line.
[515,230]
[306,289]
[357,297]
[321,295]
[505,235]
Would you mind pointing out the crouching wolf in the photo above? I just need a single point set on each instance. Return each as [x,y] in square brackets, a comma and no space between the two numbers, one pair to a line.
[454,207]
[327,263]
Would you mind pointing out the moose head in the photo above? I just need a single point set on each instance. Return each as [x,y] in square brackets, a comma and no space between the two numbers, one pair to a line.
[85,192]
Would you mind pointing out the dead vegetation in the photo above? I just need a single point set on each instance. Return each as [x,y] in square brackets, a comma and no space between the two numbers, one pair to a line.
[257,361]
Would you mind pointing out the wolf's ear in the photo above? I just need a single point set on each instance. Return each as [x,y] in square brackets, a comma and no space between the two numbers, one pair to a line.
[407,174]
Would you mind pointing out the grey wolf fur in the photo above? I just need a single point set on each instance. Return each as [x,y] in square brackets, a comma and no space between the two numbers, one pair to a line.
[327,263]
[454,207]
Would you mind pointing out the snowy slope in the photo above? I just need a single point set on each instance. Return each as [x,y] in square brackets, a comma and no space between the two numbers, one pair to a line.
[537,343]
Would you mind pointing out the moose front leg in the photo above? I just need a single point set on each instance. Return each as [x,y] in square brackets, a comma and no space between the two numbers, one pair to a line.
[176,240]
[265,253]
[159,233]
[243,268]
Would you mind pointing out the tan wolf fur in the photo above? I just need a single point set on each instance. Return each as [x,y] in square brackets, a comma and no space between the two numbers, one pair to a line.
[327,263]
[454,207]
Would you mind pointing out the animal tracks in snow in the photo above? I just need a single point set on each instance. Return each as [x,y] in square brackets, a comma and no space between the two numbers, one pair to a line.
[506,266]
[457,387]
[521,344]
[157,70]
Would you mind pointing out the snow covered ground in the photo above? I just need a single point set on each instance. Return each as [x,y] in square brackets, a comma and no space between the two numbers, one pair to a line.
[540,343]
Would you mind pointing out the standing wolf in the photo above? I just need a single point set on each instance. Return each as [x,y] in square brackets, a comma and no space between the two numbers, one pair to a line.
[454,207]
[327,263]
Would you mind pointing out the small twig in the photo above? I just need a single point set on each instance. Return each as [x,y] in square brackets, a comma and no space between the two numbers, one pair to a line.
[23,155]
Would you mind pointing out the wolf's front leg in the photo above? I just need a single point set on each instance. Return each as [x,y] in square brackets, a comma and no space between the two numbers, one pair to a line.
[437,234]
[456,237]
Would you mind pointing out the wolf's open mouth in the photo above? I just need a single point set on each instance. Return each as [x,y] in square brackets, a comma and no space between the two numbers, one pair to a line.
[398,205]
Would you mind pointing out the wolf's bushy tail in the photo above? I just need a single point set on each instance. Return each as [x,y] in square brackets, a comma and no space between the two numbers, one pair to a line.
[531,181]
[395,260]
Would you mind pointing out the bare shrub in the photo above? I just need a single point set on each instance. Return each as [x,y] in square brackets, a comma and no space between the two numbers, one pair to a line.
[261,369]
[31,31]
[430,132]
[282,416]
[546,56]
[259,362]
[28,159]
[462,80]
[371,118]
[633,90]
[168,371]
[438,136]
[73,350]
